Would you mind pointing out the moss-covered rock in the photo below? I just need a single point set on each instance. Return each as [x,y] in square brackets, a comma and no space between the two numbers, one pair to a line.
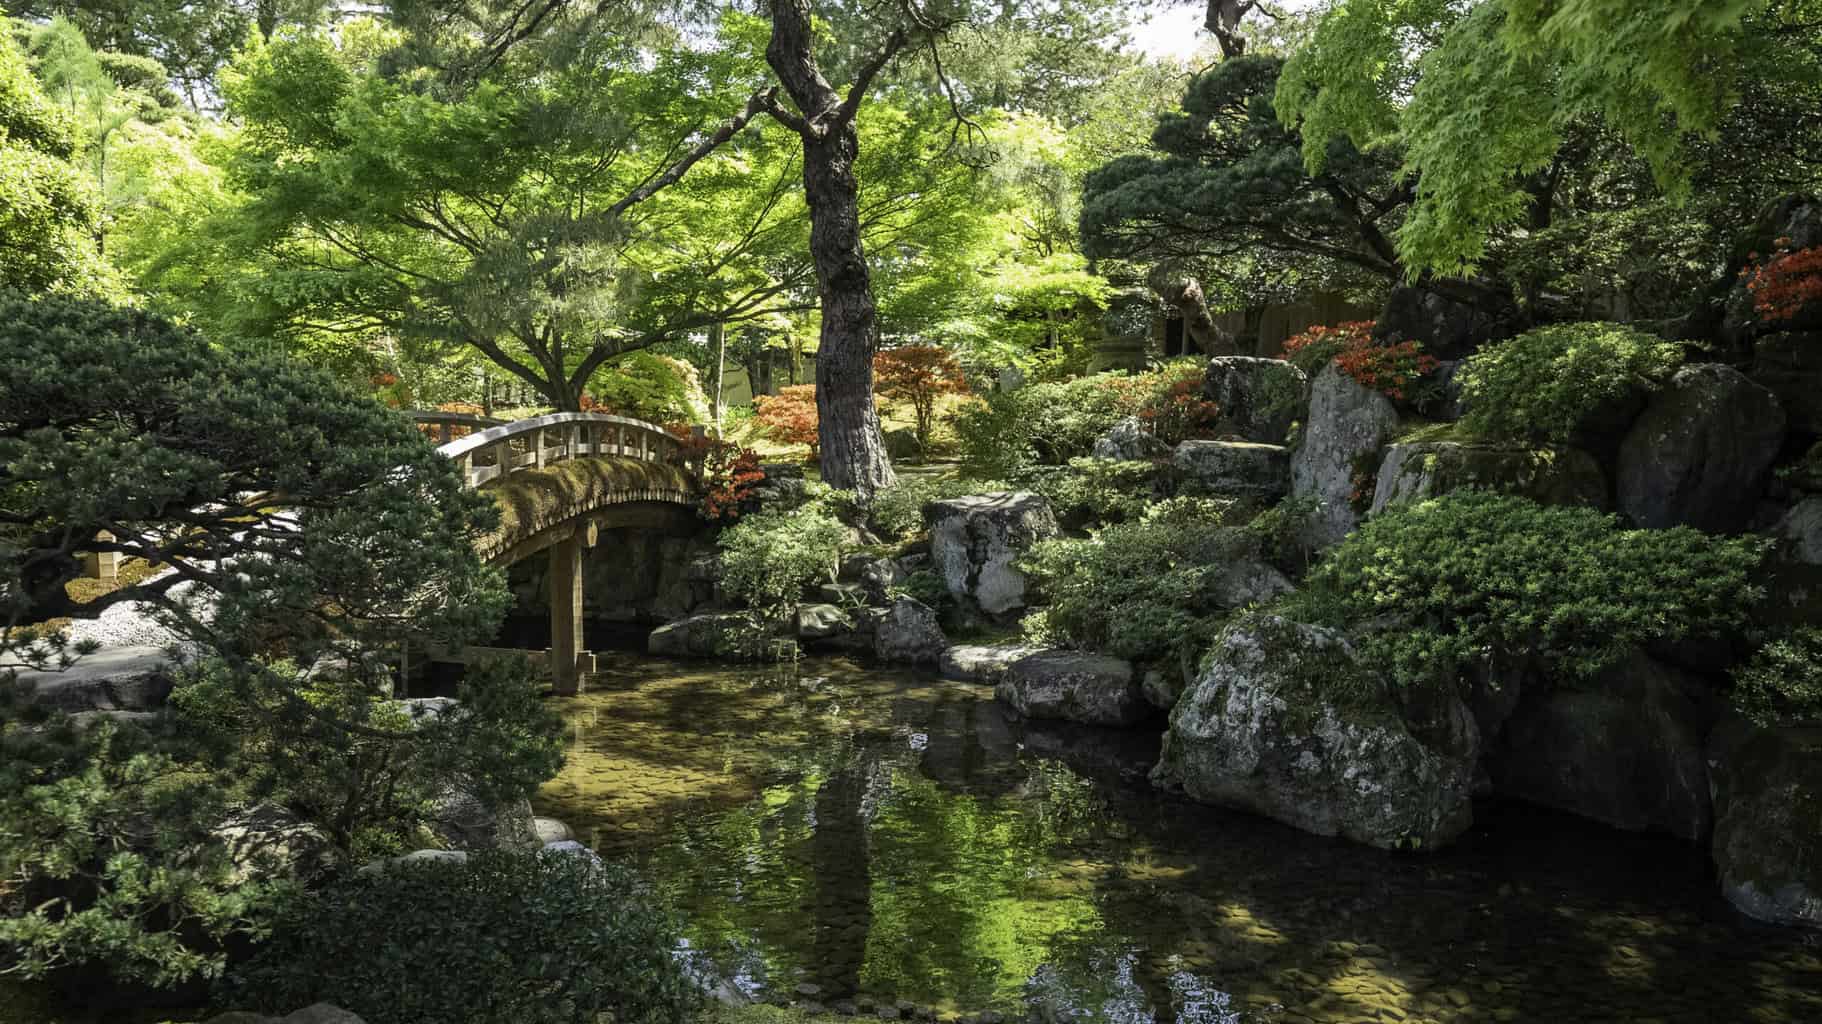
[1259,398]
[1074,686]
[1284,721]
[1551,475]
[1767,788]
[1234,468]
[716,635]
[1348,425]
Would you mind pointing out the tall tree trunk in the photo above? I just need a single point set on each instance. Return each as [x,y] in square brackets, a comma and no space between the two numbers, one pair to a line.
[718,342]
[853,453]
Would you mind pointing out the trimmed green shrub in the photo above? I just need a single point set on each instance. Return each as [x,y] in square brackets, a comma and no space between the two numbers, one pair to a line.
[1141,590]
[767,560]
[1049,423]
[507,938]
[1095,490]
[1445,582]
[898,511]
[1782,684]
[1544,384]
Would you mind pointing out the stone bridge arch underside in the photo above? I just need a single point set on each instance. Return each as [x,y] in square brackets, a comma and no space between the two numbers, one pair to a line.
[559,512]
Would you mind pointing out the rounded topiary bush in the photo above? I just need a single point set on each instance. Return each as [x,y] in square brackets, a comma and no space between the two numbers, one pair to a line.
[1546,384]
[506,938]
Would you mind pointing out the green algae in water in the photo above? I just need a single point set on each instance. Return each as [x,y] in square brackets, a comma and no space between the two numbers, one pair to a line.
[887,834]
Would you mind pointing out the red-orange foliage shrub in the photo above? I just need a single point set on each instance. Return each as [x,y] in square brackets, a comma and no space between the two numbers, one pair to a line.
[1397,371]
[790,415]
[919,374]
[1787,281]
[1179,412]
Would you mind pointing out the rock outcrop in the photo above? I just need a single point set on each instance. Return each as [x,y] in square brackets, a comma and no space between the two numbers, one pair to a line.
[909,633]
[821,621]
[1549,475]
[975,542]
[1241,469]
[1625,749]
[1347,426]
[1259,398]
[269,842]
[1768,820]
[112,679]
[1129,441]
[1073,686]
[1283,721]
[1700,453]
[1789,365]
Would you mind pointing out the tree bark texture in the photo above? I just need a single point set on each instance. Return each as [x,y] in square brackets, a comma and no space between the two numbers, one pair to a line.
[853,453]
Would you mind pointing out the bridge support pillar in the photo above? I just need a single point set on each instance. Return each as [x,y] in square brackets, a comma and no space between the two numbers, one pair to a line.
[566,614]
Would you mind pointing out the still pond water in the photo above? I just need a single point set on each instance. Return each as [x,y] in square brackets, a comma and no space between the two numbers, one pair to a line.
[888,835]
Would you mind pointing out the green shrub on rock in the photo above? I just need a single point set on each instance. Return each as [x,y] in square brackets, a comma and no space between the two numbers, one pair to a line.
[1153,589]
[1438,585]
[505,938]
[1546,383]
[1782,684]
[898,511]
[768,559]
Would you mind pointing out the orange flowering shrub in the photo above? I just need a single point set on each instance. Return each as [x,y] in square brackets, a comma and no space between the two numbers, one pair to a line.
[1400,372]
[730,473]
[790,415]
[1785,282]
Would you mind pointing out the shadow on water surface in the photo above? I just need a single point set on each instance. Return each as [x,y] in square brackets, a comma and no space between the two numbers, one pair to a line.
[886,833]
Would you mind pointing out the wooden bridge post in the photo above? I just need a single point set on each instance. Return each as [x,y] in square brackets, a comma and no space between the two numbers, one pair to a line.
[566,614]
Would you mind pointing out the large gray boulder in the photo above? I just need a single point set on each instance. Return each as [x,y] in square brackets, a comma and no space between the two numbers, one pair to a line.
[1801,531]
[1549,475]
[909,633]
[1700,453]
[976,541]
[980,663]
[111,679]
[711,635]
[1768,820]
[1129,441]
[461,820]
[267,841]
[1283,721]
[1074,686]
[1259,398]
[1241,469]
[1347,426]
[1625,749]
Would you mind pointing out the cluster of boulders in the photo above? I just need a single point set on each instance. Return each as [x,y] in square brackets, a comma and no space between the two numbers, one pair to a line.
[974,543]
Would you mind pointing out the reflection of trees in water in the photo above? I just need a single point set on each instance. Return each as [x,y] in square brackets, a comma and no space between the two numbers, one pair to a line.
[840,909]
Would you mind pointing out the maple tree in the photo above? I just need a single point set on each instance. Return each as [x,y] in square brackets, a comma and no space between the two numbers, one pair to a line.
[920,375]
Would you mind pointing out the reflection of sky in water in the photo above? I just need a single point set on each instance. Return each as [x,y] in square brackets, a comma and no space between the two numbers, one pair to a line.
[886,834]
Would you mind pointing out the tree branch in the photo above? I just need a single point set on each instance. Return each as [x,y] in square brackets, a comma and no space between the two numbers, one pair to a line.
[711,142]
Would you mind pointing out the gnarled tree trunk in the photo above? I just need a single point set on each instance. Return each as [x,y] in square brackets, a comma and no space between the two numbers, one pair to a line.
[853,453]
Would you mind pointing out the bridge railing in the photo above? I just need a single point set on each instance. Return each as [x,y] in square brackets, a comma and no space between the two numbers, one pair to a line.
[558,437]
[444,427]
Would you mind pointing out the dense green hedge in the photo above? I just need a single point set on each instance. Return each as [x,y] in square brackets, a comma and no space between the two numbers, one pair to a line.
[1443,583]
[507,938]
[1545,384]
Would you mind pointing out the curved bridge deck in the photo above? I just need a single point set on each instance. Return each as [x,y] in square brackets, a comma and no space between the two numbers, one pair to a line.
[559,480]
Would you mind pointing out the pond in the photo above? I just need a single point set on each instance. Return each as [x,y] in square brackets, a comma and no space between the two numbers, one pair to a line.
[837,834]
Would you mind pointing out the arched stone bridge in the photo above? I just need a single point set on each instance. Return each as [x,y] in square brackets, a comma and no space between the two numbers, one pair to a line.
[559,480]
